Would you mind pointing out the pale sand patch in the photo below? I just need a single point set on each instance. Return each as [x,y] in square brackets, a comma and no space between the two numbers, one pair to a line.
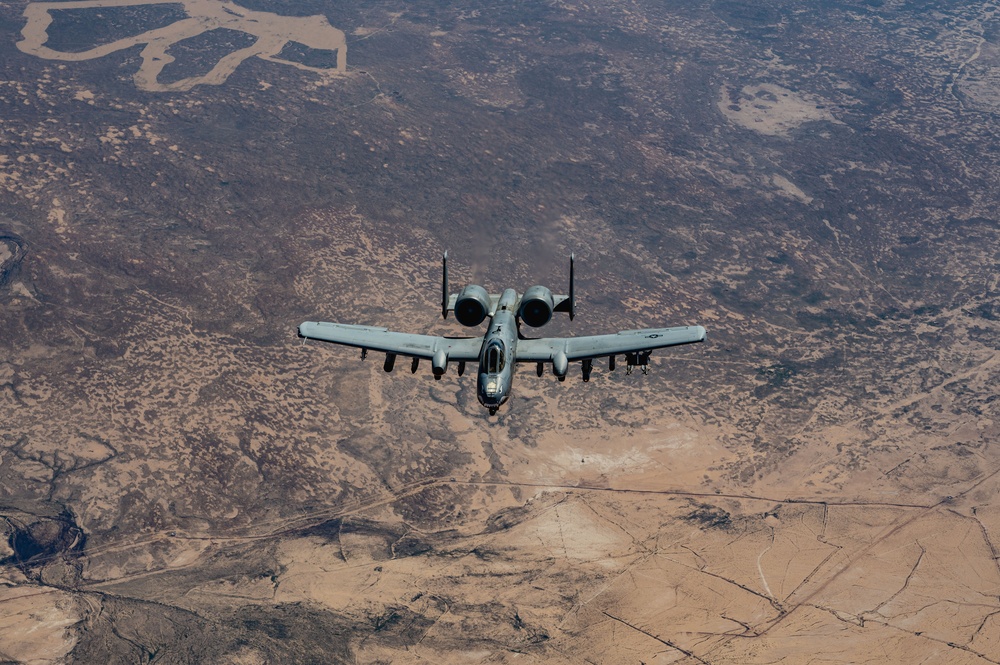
[573,532]
[770,109]
[315,571]
[5,252]
[245,656]
[57,217]
[982,92]
[788,188]
[35,622]
[273,33]
[665,456]
[19,289]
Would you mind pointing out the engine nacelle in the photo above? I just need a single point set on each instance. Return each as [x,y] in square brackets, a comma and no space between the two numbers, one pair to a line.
[536,306]
[472,306]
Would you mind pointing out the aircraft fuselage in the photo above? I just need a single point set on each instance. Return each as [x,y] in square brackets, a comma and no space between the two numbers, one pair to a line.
[496,361]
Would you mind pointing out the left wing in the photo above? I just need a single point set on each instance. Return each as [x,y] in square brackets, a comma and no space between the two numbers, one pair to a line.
[627,341]
[383,339]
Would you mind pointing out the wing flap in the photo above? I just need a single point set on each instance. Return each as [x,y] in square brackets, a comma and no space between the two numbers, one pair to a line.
[383,339]
[595,346]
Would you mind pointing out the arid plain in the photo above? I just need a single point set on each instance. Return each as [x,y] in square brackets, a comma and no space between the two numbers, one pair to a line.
[181,480]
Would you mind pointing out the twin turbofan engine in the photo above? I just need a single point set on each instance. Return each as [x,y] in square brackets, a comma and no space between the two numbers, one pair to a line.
[473,306]
[536,306]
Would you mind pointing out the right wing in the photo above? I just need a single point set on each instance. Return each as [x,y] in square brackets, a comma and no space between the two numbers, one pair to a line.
[383,339]
[595,346]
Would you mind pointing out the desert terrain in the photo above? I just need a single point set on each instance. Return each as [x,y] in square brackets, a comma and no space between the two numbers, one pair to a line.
[183,481]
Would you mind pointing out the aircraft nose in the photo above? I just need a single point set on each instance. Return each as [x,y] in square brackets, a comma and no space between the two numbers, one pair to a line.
[488,400]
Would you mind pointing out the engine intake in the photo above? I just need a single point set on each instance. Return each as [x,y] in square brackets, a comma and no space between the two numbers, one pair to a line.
[472,306]
[536,306]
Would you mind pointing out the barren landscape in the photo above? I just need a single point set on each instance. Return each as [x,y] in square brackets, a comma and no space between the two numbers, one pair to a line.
[183,481]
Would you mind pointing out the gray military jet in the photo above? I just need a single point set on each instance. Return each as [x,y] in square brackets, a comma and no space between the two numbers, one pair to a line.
[503,344]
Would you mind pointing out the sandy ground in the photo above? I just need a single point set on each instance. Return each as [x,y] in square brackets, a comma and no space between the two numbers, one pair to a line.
[36,624]
[771,109]
[631,539]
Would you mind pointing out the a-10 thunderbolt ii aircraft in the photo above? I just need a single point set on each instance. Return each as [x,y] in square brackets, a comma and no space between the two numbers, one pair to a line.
[503,345]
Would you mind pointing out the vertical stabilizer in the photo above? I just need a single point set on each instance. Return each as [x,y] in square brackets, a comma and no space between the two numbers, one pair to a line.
[444,285]
[572,303]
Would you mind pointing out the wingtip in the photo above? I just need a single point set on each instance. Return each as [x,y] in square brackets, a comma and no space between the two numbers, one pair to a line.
[304,326]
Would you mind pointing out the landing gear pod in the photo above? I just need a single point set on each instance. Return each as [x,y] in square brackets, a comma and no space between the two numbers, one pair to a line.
[559,365]
[439,364]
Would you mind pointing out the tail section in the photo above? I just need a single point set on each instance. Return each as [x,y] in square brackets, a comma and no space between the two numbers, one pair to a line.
[572,303]
[444,285]
[565,303]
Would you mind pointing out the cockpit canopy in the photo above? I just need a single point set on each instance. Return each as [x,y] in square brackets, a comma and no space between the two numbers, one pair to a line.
[495,358]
